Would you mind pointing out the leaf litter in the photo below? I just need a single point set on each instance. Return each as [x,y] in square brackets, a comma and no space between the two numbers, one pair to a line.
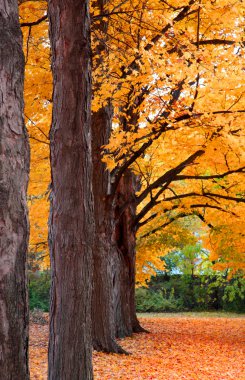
[176,348]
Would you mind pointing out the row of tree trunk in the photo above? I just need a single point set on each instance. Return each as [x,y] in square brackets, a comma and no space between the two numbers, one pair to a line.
[92,238]
[92,225]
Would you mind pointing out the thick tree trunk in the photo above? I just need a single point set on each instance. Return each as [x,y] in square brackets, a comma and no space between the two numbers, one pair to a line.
[125,313]
[14,171]
[103,321]
[71,217]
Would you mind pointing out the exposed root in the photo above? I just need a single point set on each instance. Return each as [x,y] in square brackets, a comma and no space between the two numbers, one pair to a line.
[112,348]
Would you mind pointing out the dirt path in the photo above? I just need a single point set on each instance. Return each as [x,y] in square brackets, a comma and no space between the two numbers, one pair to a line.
[176,348]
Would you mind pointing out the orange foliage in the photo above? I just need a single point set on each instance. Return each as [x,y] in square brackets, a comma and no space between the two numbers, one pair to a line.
[187,77]
[38,106]
[177,348]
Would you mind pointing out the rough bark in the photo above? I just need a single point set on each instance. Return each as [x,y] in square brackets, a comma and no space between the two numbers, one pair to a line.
[125,312]
[14,172]
[103,321]
[71,217]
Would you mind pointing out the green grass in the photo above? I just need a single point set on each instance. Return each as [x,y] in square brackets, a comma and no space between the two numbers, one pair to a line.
[190,314]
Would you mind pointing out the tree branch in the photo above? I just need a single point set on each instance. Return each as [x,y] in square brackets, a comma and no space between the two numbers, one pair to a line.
[36,139]
[153,216]
[217,41]
[183,215]
[206,205]
[204,194]
[33,23]
[171,220]
[154,202]
[150,204]
[169,175]
[235,199]
[205,177]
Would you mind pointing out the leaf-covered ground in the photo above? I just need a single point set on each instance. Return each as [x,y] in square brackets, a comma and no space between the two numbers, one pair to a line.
[182,347]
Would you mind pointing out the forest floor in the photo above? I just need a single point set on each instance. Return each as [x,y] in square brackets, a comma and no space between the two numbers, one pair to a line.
[190,346]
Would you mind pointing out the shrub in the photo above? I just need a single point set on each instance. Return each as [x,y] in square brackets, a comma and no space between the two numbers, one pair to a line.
[196,293]
[234,295]
[148,301]
[39,289]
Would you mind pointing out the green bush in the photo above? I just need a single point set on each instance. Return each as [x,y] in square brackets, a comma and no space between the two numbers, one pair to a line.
[200,293]
[165,293]
[234,296]
[39,289]
[148,301]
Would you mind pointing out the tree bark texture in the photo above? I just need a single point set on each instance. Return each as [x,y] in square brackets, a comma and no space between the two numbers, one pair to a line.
[124,289]
[71,218]
[14,227]
[103,320]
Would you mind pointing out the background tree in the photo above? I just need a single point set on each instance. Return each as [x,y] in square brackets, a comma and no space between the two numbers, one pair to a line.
[153,112]
[103,321]
[14,171]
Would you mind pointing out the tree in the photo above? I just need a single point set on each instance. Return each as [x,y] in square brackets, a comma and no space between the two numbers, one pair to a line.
[104,252]
[187,261]
[71,218]
[14,172]
[159,110]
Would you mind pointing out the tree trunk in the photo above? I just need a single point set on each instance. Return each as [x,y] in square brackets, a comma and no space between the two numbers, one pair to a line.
[71,217]
[125,313]
[14,172]
[103,321]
